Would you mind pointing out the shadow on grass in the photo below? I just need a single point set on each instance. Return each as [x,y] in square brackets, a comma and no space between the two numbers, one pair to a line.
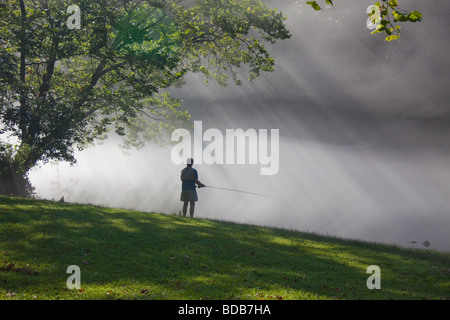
[135,255]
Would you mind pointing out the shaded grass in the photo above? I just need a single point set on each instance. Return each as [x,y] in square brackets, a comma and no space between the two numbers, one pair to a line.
[135,255]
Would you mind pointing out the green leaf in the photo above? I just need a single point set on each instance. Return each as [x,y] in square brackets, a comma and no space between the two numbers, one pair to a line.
[392,37]
[314,4]
[415,16]
[393,3]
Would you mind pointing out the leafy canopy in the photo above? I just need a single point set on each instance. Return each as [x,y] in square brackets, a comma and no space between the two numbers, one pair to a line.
[65,87]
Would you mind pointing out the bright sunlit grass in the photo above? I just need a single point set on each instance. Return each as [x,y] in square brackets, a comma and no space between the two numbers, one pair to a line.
[135,255]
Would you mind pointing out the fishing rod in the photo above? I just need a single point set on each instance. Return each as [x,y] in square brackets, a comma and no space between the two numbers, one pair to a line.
[256,194]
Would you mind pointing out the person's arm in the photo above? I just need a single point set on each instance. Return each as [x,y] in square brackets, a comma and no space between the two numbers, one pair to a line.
[197,182]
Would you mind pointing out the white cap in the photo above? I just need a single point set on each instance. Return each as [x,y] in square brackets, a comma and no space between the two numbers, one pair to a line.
[190,161]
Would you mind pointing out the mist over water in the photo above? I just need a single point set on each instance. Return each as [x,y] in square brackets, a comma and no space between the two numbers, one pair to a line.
[364,136]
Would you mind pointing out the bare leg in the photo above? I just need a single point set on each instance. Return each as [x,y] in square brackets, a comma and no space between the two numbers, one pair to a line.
[192,208]
[185,205]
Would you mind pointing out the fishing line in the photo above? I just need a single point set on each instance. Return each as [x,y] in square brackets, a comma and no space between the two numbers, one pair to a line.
[256,194]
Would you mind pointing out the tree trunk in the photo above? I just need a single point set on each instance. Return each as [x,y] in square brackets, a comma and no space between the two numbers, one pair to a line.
[16,184]
[14,172]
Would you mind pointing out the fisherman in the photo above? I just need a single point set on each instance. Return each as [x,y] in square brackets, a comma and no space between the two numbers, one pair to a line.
[189,178]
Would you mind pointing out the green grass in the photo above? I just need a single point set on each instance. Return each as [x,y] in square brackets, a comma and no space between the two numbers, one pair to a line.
[134,255]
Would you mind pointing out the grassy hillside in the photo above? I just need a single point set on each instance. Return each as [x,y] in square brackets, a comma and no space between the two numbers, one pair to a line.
[135,255]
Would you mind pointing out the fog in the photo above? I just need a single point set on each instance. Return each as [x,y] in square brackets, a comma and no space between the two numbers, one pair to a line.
[364,144]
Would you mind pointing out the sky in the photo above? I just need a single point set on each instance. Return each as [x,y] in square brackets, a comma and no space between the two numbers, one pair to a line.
[364,136]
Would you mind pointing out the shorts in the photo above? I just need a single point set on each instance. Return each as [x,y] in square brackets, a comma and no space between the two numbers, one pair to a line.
[189,195]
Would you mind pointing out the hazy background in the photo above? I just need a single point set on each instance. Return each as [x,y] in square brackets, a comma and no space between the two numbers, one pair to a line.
[364,136]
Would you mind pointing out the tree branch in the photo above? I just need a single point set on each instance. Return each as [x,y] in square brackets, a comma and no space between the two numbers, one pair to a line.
[23,95]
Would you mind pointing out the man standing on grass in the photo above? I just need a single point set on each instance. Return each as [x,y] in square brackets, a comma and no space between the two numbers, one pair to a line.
[189,178]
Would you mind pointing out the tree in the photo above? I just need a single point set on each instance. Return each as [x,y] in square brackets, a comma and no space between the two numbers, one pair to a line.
[66,82]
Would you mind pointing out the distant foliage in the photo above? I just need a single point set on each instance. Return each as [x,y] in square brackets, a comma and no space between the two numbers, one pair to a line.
[385,15]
